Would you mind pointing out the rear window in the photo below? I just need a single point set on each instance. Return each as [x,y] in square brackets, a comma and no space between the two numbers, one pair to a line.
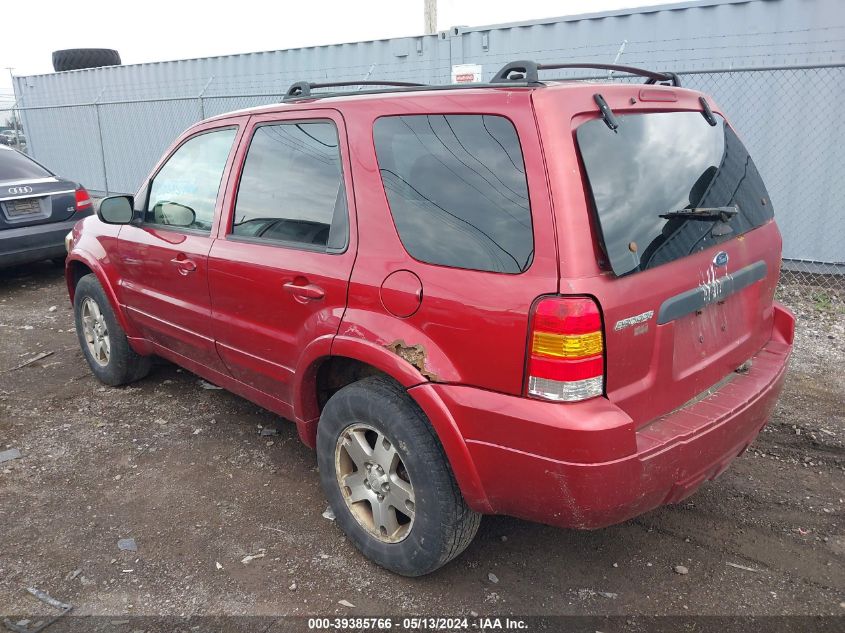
[671,164]
[16,166]
[457,190]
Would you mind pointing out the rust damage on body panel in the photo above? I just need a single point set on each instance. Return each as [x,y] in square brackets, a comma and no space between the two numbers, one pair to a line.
[414,354]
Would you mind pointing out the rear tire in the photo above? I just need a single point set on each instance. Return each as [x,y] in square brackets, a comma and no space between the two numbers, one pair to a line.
[79,58]
[375,448]
[101,338]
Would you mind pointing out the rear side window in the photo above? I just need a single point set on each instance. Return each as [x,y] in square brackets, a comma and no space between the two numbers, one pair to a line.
[16,166]
[291,190]
[183,193]
[457,190]
[668,185]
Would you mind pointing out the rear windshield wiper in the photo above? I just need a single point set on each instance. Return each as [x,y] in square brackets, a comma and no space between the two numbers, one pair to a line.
[606,113]
[703,213]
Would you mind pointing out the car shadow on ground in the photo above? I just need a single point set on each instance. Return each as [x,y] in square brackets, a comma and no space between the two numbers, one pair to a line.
[35,273]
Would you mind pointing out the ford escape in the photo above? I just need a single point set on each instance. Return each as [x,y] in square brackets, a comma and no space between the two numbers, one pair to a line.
[543,298]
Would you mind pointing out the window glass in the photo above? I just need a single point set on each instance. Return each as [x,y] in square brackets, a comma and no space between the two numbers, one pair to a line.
[291,188]
[16,166]
[184,192]
[667,185]
[457,190]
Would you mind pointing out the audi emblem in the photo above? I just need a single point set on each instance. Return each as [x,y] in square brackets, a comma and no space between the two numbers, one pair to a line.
[16,191]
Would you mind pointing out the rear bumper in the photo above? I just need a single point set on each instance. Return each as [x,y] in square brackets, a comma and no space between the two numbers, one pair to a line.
[29,244]
[584,465]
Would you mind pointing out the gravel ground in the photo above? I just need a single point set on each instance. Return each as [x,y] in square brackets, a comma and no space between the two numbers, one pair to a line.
[183,471]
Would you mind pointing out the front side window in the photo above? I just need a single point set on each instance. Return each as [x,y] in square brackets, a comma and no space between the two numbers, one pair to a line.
[184,192]
[291,190]
[457,190]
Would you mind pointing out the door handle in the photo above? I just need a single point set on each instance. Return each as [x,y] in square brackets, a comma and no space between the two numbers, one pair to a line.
[306,292]
[184,265]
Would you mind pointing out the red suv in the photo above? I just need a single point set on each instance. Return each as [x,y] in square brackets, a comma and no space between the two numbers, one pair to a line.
[547,299]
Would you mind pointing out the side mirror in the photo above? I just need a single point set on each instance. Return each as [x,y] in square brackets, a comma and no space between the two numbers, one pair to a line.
[174,214]
[115,210]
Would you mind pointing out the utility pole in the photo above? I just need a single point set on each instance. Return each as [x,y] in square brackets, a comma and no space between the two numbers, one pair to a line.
[430,17]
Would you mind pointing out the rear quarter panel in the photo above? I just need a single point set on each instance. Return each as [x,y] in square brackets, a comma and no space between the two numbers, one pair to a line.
[471,326]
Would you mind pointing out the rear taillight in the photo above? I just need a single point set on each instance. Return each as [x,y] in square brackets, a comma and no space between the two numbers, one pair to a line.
[566,350]
[83,200]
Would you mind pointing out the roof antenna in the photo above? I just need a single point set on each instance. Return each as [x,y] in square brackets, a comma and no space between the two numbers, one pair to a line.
[367,76]
[618,55]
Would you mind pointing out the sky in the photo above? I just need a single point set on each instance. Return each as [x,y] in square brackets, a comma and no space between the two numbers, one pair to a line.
[159,30]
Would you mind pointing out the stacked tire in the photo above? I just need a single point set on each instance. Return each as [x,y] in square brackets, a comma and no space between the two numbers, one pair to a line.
[79,58]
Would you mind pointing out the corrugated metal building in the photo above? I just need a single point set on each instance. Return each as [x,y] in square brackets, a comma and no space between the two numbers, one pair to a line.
[705,34]
[784,115]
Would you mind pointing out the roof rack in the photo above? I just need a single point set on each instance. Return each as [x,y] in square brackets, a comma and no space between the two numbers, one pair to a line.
[527,71]
[522,74]
[302,89]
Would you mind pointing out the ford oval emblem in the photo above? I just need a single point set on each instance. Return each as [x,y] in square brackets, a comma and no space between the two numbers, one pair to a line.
[721,259]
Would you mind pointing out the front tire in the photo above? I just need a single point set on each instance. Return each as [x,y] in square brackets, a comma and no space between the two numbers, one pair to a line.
[388,480]
[101,338]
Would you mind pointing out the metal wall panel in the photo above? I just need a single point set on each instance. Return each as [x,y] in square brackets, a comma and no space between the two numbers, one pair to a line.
[686,36]
[67,141]
[800,156]
[132,145]
[425,58]
[781,113]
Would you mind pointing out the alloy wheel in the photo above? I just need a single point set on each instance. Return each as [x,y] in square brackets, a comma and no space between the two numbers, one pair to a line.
[95,331]
[374,482]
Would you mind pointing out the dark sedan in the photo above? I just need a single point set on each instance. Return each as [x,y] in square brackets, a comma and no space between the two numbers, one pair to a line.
[37,210]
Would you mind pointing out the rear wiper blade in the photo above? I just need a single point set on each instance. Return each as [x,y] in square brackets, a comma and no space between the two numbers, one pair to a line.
[703,213]
[606,113]
[707,112]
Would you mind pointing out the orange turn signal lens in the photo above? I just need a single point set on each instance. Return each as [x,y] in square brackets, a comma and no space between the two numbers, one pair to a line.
[567,345]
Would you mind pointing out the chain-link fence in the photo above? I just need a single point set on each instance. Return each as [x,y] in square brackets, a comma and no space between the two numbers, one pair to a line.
[111,146]
[787,116]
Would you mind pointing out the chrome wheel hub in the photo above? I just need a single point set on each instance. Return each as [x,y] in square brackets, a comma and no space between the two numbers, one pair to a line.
[95,332]
[377,480]
[374,482]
